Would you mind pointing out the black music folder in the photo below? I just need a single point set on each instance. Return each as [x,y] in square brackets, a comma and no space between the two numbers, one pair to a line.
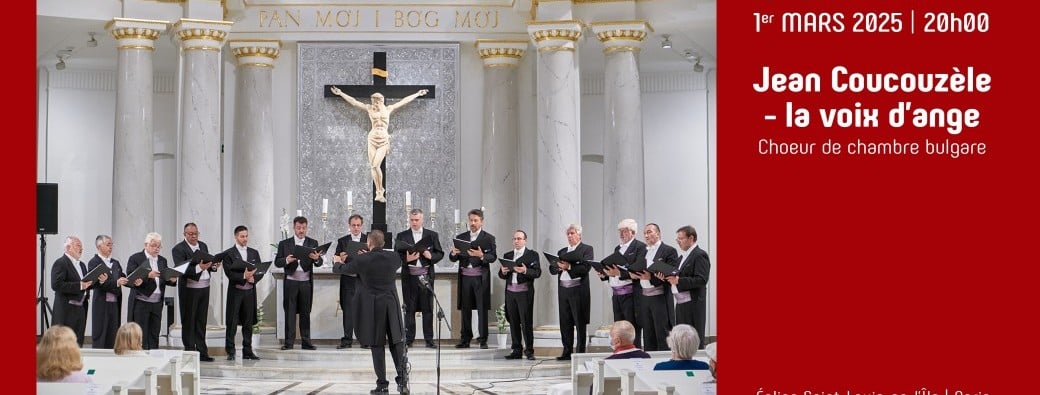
[175,271]
[659,266]
[96,272]
[509,263]
[406,246]
[302,251]
[140,273]
[354,247]
[261,270]
[462,246]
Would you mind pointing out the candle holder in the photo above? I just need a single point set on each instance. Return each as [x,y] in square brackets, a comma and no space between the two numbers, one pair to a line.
[433,220]
[350,209]
[407,212]
[324,227]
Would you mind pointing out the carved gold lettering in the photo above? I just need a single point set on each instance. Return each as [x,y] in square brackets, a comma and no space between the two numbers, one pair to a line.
[323,21]
[413,18]
[478,19]
[276,17]
[295,18]
[262,16]
[431,16]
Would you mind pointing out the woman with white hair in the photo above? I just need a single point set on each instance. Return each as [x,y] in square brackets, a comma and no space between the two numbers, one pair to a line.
[683,341]
[713,358]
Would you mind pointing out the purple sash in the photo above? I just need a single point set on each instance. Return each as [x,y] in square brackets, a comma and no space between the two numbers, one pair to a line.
[244,287]
[417,270]
[623,290]
[655,291]
[682,297]
[197,284]
[110,297]
[472,272]
[520,287]
[570,283]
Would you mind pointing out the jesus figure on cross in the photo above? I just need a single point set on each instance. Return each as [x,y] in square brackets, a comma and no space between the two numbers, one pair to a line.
[378,136]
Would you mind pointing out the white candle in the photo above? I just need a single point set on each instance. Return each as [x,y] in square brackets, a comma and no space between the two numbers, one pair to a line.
[408,198]
[433,205]
[299,213]
[350,198]
[324,206]
[456,215]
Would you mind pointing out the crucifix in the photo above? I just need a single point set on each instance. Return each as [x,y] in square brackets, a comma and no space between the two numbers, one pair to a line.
[379,115]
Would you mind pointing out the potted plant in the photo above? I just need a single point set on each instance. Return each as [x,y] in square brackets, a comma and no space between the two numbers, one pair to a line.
[503,326]
[256,326]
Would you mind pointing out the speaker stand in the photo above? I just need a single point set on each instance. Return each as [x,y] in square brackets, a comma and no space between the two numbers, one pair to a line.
[41,298]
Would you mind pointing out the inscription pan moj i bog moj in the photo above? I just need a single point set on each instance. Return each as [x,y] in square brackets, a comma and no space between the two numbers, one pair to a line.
[412,16]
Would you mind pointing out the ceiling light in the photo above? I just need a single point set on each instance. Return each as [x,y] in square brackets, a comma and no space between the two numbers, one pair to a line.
[61,63]
[697,68]
[666,43]
[92,42]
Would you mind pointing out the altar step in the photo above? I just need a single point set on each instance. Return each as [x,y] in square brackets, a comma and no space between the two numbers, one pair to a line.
[355,364]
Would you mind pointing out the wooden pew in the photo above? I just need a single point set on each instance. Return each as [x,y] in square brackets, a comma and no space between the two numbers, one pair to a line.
[159,372]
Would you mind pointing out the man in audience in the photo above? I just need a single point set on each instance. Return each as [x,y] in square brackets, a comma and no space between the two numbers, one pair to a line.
[683,341]
[622,336]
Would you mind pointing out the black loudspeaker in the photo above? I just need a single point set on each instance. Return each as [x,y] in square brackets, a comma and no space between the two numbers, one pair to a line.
[47,209]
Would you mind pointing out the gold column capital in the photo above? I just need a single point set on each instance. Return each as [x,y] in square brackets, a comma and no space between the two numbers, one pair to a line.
[555,35]
[197,34]
[499,53]
[135,33]
[259,53]
[621,35]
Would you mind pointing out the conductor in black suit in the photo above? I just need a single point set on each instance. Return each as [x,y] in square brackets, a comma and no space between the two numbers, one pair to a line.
[573,292]
[71,294]
[624,291]
[519,295]
[655,299]
[474,278]
[145,303]
[298,284]
[416,295]
[347,282]
[108,297]
[378,304]
[193,291]
[689,284]
[241,294]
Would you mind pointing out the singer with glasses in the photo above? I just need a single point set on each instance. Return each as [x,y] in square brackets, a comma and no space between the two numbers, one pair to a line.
[519,295]
[416,264]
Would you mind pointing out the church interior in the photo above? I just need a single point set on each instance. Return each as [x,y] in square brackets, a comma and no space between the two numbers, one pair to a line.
[542,114]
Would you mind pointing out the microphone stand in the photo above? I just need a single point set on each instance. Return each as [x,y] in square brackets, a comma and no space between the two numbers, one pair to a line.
[41,298]
[440,319]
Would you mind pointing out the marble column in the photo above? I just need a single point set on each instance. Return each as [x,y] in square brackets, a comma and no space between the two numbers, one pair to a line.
[133,197]
[199,200]
[252,147]
[558,177]
[623,186]
[499,188]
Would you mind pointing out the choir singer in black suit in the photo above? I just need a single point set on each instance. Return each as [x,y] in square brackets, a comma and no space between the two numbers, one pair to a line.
[689,284]
[108,299]
[193,291]
[573,292]
[145,303]
[378,313]
[71,293]
[298,283]
[474,278]
[624,291]
[416,296]
[347,282]
[655,300]
[241,294]
[519,295]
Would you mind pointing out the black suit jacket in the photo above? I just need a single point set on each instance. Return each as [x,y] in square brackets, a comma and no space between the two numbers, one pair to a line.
[578,269]
[108,286]
[436,252]
[636,252]
[286,247]
[341,247]
[65,281]
[693,275]
[148,285]
[236,276]
[669,255]
[182,253]
[376,297]
[531,261]
[486,242]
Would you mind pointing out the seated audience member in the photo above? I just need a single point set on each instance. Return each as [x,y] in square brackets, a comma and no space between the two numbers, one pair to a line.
[128,339]
[683,341]
[712,357]
[622,336]
[58,358]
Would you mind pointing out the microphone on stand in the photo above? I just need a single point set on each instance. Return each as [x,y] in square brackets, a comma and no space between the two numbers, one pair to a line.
[424,281]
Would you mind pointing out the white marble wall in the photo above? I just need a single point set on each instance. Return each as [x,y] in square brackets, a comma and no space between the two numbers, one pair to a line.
[623,177]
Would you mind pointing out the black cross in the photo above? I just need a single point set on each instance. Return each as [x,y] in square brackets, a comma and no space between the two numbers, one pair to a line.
[363,93]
